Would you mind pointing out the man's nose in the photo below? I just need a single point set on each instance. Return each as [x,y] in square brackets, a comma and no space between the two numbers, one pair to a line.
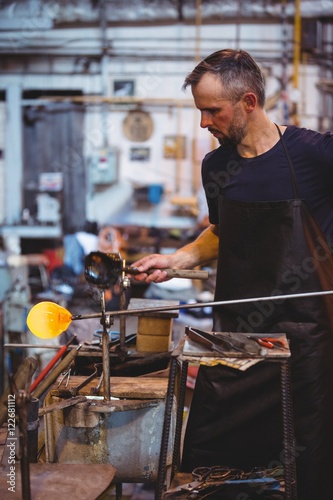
[205,120]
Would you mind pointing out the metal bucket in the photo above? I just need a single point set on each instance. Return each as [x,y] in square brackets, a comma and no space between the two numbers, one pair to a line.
[126,434]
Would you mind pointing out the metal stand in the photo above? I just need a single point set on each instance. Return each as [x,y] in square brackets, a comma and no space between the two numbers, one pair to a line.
[177,358]
[288,433]
[162,466]
[105,350]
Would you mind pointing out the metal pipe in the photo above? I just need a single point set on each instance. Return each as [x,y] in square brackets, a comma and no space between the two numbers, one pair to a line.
[179,149]
[196,163]
[22,380]
[104,69]
[22,398]
[297,42]
[284,62]
[106,364]
[125,283]
[198,23]
[135,312]
[105,352]
[122,321]
[32,429]
[45,346]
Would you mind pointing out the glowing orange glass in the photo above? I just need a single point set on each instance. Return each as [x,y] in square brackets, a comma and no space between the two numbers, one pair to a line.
[47,320]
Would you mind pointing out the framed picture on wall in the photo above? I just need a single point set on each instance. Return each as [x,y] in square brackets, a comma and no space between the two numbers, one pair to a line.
[123,88]
[139,154]
[174,146]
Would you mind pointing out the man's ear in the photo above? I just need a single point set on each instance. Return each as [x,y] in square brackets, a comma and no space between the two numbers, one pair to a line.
[250,101]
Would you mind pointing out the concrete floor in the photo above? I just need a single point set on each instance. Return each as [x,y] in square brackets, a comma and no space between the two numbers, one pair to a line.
[132,491]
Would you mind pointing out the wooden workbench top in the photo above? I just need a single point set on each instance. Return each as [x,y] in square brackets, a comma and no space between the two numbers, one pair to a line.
[121,387]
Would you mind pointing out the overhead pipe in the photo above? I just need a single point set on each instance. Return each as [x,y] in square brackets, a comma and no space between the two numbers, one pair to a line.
[297,42]
[297,55]
[195,162]
[104,69]
[284,75]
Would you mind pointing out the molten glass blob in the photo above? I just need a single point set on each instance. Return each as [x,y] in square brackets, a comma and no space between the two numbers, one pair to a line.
[102,269]
[47,320]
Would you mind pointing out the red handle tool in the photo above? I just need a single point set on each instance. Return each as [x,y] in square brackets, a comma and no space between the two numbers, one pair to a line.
[269,342]
[51,364]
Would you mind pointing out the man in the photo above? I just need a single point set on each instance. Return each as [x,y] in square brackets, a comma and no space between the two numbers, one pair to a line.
[269,193]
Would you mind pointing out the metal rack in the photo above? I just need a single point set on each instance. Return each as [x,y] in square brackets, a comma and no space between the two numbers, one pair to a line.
[179,365]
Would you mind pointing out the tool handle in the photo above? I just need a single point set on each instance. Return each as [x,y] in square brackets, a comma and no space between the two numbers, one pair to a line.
[200,339]
[195,274]
[265,343]
[52,377]
[48,367]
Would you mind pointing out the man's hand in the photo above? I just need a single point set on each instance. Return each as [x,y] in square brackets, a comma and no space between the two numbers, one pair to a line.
[154,261]
[204,249]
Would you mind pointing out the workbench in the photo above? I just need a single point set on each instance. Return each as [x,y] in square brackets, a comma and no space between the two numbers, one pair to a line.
[189,352]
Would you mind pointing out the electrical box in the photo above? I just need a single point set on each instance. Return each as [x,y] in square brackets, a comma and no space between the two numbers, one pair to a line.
[103,168]
[48,209]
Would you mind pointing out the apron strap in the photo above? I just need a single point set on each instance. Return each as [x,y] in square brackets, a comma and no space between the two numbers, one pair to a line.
[292,171]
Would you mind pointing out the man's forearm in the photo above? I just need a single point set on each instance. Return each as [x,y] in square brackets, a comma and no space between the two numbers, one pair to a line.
[201,251]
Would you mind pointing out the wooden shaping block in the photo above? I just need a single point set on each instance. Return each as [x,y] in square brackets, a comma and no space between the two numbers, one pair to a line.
[154,328]
[153,343]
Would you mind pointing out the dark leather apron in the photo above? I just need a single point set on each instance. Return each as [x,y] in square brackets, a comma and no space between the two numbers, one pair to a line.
[269,248]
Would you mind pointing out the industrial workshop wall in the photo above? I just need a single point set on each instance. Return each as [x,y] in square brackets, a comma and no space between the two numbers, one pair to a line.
[140,70]
[52,144]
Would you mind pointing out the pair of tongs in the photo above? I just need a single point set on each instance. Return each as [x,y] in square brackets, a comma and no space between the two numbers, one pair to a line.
[224,343]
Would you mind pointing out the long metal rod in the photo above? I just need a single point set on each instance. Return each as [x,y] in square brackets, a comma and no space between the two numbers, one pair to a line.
[45,346]
[134,312]
[105,352]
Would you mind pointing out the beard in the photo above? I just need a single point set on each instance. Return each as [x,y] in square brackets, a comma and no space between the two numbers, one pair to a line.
[236,131]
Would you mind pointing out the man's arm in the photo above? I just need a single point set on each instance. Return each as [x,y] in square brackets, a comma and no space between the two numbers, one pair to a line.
[201,251]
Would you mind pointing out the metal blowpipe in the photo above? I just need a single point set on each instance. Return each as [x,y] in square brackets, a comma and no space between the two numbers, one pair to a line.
[133,312]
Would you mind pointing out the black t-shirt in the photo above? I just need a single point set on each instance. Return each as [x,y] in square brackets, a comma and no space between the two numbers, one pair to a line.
[267,177]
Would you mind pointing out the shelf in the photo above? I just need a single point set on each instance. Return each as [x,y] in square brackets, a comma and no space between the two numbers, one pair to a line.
[26,231]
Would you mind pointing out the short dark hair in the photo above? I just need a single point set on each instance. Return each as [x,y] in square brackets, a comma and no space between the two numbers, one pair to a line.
[237,70]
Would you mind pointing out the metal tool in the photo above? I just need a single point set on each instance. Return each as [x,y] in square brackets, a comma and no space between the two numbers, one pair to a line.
[269,342]
[222,342]
[64,375]
[205,476]
[105,269]
[211,480]
[95,390]
[74,391]
[51,364]
[57,370]
[216,472]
